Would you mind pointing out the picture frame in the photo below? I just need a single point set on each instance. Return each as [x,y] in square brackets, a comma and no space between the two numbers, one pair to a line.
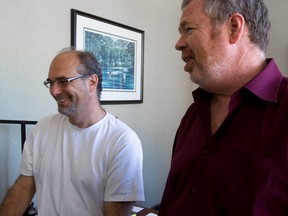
[120,50]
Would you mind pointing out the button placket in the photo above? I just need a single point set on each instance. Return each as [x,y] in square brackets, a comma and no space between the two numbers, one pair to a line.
[193,189]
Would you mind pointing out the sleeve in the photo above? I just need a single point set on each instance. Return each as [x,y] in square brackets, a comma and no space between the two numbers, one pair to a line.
[26,162]
[124,180]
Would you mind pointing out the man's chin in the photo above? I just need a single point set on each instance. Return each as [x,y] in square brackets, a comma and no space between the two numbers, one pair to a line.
[195,80]
[64,111]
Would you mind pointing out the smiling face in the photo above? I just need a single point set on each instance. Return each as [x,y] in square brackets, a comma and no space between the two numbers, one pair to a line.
[203,46]
[73,97]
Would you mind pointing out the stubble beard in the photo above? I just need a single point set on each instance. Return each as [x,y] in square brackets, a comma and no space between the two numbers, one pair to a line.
[66,110]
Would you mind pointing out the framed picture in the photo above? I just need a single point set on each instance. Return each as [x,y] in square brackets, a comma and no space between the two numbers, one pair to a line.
[119,49]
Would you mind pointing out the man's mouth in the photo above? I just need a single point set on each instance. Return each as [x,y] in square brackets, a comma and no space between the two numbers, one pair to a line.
[186,59]
[61,100]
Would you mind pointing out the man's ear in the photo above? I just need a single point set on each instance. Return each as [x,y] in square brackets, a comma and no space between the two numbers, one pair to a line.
[93,82]
[237,26]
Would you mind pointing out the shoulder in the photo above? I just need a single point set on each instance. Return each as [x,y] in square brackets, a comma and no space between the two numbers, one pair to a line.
[115,122]
[120,129]
[283,91]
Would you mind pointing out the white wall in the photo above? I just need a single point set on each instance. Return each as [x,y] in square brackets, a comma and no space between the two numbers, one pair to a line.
[33,31]
[278,47]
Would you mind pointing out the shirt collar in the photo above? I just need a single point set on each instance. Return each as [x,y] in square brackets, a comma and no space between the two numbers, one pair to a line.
[266,84]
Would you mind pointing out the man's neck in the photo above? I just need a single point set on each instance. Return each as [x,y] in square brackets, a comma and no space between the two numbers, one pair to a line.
[87,118]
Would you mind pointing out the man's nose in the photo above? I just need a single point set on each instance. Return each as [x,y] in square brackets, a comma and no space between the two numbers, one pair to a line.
[180,44]
[55,89]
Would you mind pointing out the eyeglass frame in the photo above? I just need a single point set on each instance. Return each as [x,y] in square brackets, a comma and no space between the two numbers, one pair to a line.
[61,81]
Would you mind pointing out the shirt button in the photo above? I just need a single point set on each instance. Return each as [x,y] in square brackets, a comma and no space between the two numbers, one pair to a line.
[206,151]
[193,189]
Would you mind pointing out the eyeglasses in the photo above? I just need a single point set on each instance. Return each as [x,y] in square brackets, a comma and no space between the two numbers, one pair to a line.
[61,81]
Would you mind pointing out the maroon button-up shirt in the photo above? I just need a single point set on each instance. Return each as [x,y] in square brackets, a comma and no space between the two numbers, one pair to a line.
[241,170]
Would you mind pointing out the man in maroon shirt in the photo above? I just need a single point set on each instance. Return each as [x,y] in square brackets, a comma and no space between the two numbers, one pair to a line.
[230,154]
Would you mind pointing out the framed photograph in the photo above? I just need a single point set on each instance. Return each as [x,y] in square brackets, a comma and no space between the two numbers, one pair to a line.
[119,49]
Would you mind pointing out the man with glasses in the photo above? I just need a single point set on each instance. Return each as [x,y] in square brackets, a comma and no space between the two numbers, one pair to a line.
[83,161]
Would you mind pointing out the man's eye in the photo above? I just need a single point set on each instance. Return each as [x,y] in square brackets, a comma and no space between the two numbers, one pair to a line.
[189,30]
[62,81]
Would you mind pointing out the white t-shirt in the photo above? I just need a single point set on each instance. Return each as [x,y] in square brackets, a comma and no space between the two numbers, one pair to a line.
[76,169]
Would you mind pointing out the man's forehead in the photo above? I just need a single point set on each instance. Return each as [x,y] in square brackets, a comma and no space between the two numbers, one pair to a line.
[193,13]
[64,64]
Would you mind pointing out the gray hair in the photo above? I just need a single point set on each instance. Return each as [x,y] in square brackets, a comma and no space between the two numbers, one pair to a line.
[255,13]
[91,66]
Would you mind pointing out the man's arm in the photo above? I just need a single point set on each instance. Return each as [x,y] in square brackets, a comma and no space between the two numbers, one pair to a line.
[118,208]
[18,197]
